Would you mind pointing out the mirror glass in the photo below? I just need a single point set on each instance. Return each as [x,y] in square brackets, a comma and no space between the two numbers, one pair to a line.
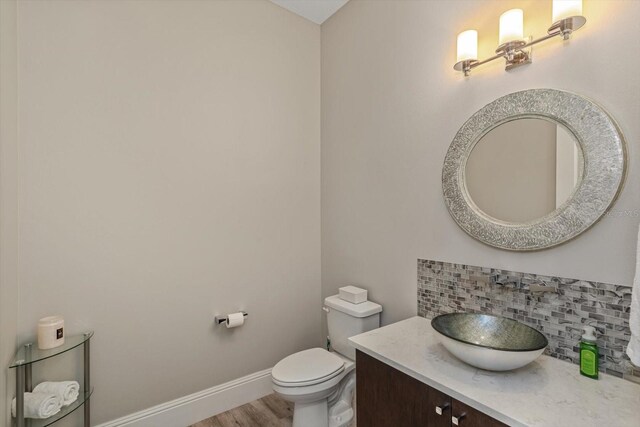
[523,169]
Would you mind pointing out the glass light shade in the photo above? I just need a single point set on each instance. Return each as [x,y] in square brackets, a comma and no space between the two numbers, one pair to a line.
[468,45]
[511,26]
[565,9]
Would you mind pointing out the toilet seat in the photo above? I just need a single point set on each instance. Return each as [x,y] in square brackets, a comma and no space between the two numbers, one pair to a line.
[307,367]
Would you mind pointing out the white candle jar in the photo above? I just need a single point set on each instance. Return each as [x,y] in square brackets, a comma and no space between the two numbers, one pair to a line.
[50,332]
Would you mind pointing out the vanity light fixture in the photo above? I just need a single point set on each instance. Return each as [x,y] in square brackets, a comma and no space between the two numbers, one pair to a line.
[514,48]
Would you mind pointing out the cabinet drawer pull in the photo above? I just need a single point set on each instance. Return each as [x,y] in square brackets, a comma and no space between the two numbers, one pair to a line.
[440,409]
[456,420]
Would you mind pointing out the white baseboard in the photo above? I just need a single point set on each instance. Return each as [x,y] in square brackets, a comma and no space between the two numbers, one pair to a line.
[195,407]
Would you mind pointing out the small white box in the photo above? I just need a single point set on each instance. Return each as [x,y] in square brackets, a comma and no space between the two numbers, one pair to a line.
[353,294]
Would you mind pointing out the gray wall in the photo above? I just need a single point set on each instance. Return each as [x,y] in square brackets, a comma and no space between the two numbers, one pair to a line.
[170,170]
[8,202]
[391,104]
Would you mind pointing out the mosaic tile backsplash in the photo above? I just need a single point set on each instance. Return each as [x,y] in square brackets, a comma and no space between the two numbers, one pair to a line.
[446,288]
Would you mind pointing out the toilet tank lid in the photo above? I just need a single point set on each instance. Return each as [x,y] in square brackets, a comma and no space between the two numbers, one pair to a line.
[363,309]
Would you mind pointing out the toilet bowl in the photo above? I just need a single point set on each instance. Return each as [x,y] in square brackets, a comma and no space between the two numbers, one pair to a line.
[320,383]
[314,381]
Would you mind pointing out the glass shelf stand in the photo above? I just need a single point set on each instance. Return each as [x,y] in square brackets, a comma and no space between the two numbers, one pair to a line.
[29,354]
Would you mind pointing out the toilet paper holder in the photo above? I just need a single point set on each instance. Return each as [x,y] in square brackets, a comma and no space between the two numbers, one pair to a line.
[220,319]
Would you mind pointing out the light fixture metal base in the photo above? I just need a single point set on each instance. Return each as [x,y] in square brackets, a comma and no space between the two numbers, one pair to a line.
[511,46]
[522,57]
[515,53]
[566,26]
[465,66]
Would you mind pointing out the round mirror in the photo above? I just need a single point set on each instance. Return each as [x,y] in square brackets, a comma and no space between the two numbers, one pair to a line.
[533,169]
[523,169]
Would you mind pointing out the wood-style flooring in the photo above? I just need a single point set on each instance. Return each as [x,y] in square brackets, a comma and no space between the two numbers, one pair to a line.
[270,411]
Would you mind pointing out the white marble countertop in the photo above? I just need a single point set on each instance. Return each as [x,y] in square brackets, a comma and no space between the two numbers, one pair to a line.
[547,392]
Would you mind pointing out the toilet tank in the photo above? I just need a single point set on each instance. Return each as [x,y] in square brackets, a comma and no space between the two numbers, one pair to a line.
[345,319]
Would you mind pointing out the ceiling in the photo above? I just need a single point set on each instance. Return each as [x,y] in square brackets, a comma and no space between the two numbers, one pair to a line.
[314,10]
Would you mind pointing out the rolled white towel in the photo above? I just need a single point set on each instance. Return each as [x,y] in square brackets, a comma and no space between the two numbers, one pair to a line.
[38,405]
[633,349]
[67,391]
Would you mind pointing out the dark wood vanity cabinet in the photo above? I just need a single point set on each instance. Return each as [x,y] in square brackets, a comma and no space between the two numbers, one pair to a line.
[387,397]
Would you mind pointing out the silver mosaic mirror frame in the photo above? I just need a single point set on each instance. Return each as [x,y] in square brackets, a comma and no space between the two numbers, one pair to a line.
[604,153]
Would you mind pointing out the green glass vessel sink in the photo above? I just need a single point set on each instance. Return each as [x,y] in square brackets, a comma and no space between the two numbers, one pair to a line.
[489,342]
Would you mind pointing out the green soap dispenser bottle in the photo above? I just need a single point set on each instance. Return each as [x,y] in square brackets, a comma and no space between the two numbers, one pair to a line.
[589,353]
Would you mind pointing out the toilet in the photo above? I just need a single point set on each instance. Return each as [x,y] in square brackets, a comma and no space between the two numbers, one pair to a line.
[320,383]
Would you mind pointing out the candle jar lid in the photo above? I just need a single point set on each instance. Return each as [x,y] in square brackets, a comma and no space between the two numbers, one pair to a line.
[50,320]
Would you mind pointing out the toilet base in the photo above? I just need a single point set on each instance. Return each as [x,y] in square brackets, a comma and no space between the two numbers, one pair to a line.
[312,414]
[341,404]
